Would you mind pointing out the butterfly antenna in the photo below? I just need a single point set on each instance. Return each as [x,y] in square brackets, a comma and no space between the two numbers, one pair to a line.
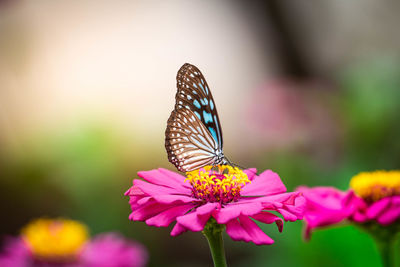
[236,165]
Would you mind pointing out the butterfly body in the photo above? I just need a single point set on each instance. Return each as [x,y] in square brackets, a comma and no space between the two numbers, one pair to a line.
[193,138]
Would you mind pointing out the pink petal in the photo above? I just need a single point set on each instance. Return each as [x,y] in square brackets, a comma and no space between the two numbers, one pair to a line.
[247,230]
[166,199]
[108,249]
[251,173]
[15,253]
[359,217]
[178,229]
[295,207]
[268,183]
[392,213]
[133,200]
[153,189]
[134,191]
[235,230]
[232,211]
[287,215]
[196,220]
[323,196]
[175,176]
[148,210]
[351,202]
[378,207]
[290,205]
[168,216]
[268,218]
[279,199]
[389,217]
[323,206]
[165,178]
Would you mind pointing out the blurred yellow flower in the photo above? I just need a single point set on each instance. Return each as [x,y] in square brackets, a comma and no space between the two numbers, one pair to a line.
[55,238]
[373,186]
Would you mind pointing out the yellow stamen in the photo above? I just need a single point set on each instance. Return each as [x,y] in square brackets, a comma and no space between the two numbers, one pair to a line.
[373,186]
[222,185]
[57,239]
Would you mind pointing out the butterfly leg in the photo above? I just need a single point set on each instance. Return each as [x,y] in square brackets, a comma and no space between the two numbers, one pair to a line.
[229,162]
[215,168]
[236,165]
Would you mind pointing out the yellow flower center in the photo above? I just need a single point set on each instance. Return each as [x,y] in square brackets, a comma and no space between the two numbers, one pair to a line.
[373,186]
[222,183]
[55,240]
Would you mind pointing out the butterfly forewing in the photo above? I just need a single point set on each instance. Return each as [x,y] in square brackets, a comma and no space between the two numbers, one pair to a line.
[194,94]
[189,144]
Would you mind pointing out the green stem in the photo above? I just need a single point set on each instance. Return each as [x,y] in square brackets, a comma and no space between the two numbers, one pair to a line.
[385,250]
[213,233]
[385,239]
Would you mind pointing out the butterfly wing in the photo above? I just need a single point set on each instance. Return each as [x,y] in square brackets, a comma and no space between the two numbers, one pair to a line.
[194,94]
[189,144]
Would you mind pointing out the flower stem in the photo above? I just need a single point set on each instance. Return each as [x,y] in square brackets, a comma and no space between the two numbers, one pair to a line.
[385,238]
[213,233]
[385,250]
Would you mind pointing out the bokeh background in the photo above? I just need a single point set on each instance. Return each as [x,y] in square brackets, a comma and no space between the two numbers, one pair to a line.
[309,89]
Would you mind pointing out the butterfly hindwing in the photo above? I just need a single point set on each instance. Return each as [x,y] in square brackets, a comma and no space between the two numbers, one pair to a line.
[188,142]
[194,94]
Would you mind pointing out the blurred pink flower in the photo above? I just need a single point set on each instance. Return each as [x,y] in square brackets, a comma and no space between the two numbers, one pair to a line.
[326,206]
[15,253]
[166,198]
[283,113]
[113,250]
[374,197]
[104,250]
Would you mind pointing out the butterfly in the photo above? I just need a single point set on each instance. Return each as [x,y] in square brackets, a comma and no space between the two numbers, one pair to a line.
[193,138]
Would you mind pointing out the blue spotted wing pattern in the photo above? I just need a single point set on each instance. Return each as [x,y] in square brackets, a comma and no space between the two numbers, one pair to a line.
[193,137]
[194,94]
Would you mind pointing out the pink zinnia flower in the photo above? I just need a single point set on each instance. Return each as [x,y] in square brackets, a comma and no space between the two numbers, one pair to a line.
[232,197]
[113,250]
[60,242]
[373,197]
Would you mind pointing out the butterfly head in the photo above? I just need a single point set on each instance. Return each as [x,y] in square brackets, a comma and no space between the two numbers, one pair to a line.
[221,183]
[220,159]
